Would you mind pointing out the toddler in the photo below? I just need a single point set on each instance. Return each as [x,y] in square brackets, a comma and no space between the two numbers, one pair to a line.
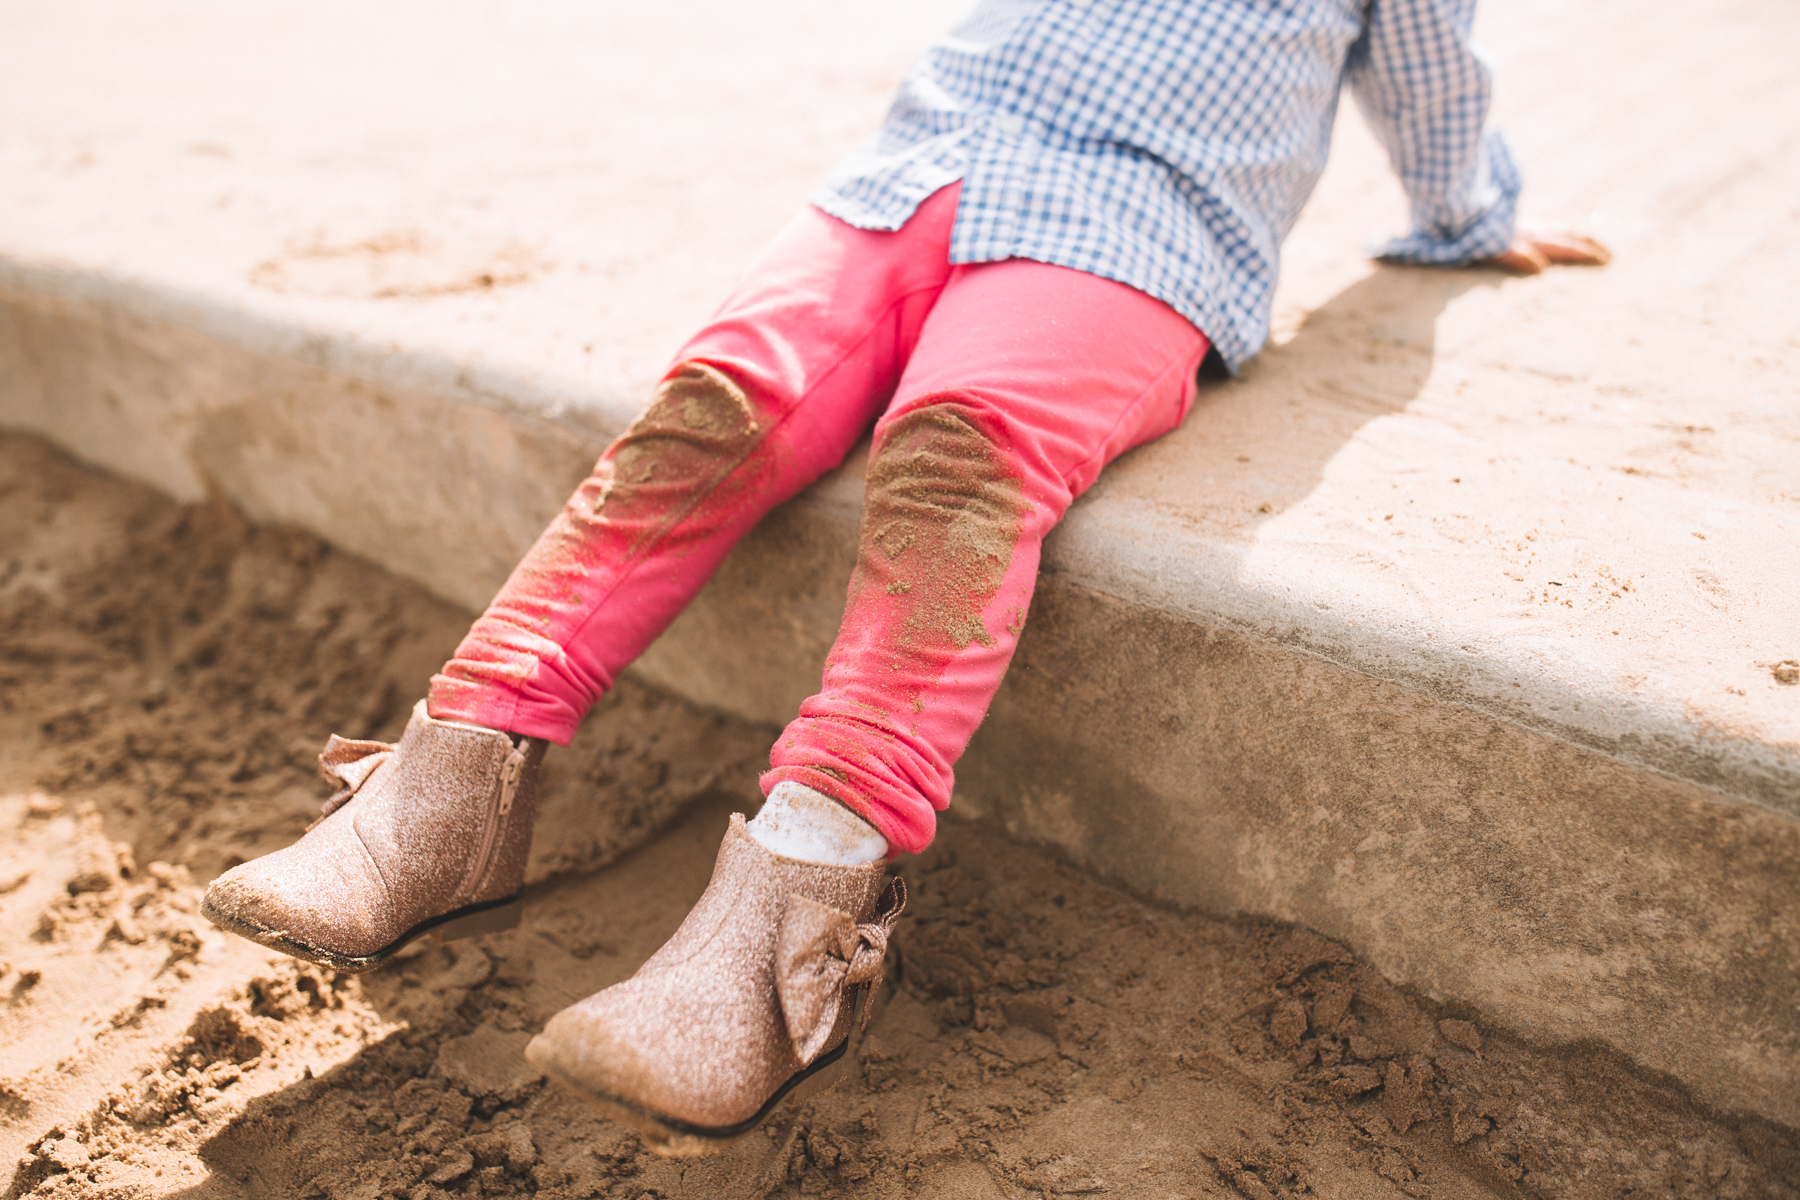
[1072,207]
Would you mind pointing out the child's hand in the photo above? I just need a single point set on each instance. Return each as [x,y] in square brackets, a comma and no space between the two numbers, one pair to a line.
[1532,252]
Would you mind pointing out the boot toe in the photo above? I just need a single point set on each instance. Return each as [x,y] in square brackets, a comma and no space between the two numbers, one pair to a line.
[629,1045]
[305,896]
[589,1045]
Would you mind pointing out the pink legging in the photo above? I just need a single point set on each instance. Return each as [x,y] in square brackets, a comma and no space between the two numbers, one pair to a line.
[1002,390]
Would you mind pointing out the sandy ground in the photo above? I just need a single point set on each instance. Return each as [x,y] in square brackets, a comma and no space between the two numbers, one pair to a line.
[166,674]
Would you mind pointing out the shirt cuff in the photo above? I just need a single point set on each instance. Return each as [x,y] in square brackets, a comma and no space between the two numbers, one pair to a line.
[1486,234]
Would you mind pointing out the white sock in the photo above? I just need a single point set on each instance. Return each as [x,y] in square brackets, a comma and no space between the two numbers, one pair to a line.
[797,822]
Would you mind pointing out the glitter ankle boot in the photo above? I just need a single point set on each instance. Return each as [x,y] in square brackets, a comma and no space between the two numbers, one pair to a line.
[430,834]
[753,1001]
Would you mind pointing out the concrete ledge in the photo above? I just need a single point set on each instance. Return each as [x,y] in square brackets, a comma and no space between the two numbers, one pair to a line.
[1550,888]
[1340,651]
[410,460]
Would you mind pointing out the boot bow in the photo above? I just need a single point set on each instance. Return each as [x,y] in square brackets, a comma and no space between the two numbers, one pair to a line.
[349,763]
[820,955]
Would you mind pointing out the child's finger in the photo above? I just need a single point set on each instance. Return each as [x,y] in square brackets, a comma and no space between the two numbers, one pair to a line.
[1521,258]
[1571,248]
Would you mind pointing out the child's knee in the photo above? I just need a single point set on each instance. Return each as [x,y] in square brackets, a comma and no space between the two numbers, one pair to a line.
[699,428]
[943,512]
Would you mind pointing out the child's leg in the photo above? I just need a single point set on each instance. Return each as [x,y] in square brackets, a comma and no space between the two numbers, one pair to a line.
[434,832]
[1025,382]
[771,394]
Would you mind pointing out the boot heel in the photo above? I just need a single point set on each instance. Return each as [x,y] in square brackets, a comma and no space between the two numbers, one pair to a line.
[820,1081]
[829,1076]
[497,919]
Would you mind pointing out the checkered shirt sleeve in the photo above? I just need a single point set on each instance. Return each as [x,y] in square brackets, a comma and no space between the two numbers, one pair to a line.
[1170,144]
[1425,93]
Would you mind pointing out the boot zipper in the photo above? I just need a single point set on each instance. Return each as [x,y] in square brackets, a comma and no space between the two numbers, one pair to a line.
[510,772]
[509,778]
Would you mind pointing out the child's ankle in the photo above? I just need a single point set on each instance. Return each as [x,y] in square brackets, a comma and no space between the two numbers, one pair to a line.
[798,822]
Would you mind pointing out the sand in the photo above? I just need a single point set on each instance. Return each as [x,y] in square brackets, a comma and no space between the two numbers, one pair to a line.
[166,674]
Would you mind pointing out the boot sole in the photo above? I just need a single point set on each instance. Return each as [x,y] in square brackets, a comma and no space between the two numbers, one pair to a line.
[473,920]
[672,1137]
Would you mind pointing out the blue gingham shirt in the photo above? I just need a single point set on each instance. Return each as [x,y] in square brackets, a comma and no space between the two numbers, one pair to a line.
[1170,144]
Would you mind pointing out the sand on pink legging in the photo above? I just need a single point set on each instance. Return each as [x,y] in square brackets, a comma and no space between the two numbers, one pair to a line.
[1001,389]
